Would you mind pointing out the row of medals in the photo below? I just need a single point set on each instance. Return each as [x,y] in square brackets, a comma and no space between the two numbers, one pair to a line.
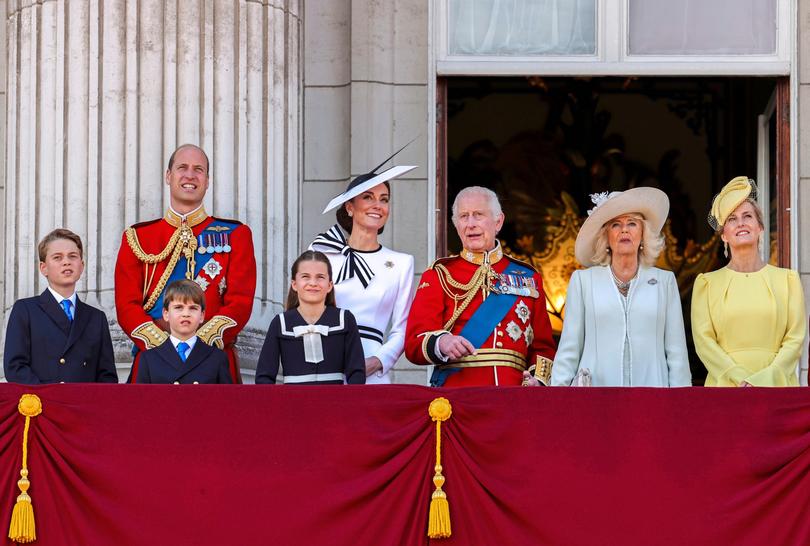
[213,242]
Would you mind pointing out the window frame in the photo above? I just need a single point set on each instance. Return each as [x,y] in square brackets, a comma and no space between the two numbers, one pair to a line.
[612,57]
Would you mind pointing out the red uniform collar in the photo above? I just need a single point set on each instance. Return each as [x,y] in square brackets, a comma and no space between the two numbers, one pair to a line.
[192,219]
[492,256]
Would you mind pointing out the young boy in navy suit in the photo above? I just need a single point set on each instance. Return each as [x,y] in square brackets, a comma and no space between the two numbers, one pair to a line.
[55,337]
[183,358]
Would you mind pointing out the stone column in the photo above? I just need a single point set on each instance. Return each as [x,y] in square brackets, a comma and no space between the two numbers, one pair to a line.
[99,94]
[366,95]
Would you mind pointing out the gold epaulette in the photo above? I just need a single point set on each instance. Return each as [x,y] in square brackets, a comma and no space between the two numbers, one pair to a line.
[150,334]
[211,332]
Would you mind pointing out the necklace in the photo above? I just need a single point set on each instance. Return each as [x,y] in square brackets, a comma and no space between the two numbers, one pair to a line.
[623,286]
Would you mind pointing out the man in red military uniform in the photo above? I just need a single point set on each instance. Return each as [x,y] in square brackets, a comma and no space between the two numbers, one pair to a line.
[480,317]
[186,243]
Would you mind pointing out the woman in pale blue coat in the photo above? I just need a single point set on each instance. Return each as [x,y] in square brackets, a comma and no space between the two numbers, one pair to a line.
[623,321]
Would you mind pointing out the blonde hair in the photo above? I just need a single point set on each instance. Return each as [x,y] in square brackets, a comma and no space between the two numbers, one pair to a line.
[650,248]
[757,212]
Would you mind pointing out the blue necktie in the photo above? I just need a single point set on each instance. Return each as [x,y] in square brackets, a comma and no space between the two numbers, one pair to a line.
[182,347]
[66,305]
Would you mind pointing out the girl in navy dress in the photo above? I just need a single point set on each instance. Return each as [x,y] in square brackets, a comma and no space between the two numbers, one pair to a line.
[315,342]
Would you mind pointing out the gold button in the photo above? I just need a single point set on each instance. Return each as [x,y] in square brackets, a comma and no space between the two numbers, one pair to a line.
[499,344]
[176,382]
[61,361]
[500,333]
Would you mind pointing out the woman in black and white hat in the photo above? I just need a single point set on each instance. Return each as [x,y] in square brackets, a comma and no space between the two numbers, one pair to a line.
[623,320]
[371,280]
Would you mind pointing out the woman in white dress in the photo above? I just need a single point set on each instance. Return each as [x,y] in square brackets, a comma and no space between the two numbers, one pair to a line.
[371,280]
[623,320]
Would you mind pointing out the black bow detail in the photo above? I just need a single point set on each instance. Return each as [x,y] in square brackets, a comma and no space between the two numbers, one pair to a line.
[355,265]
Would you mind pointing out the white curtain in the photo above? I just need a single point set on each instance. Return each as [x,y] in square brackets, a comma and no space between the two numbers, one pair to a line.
[522,27]
[702,27]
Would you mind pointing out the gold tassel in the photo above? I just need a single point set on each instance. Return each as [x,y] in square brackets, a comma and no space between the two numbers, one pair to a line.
[439,518]
[22,527]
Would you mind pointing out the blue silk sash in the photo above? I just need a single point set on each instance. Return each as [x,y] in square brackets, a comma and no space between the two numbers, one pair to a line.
[483,322]
[200,260]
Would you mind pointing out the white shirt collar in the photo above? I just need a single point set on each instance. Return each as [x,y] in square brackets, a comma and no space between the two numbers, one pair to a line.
[190,341]
[59,297]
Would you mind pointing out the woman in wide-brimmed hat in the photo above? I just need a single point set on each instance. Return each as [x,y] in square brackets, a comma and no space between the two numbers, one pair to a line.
[623,321]
[371,280]
[748,317]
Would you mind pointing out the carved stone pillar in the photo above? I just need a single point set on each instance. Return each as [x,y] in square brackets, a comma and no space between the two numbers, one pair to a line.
[99,94]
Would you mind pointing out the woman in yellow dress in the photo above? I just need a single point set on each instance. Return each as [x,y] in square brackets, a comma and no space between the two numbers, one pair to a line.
[748,318]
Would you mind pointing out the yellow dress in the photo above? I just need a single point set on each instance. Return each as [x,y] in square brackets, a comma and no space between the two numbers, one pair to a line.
[749,326]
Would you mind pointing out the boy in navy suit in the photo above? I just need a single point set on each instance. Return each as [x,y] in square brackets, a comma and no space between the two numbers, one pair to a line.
[55,337]
[183,358]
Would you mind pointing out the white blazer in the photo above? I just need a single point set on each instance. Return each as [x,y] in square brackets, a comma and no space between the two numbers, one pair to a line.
[595,325]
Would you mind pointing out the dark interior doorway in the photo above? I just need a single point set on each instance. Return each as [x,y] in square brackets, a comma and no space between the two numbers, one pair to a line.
[545,144]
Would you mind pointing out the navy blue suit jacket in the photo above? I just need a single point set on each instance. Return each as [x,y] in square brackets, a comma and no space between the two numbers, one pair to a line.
[204,364]
[43,346]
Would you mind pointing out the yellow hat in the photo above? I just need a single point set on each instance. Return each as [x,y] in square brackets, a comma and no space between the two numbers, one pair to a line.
[730,197]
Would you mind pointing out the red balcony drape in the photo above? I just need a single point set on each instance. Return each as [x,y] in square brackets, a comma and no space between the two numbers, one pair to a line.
[285,465]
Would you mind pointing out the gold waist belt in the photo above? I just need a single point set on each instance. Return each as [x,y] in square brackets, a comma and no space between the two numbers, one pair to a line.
[490,357]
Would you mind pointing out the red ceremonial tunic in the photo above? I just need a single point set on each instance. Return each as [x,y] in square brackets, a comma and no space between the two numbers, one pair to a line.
[228,281]
[432,308]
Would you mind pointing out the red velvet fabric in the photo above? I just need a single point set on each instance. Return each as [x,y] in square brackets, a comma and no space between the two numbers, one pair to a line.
[286,465]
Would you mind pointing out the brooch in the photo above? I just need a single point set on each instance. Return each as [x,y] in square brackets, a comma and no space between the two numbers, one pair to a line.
[522,311]
[514,330]
[202,281]
[529,334]
[212,268]
[652,281]
[389,264]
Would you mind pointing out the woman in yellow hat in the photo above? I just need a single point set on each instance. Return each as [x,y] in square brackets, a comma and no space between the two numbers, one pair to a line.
[748,318]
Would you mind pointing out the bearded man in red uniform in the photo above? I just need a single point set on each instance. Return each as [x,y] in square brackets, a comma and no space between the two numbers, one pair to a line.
[186,244]
[480,317]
